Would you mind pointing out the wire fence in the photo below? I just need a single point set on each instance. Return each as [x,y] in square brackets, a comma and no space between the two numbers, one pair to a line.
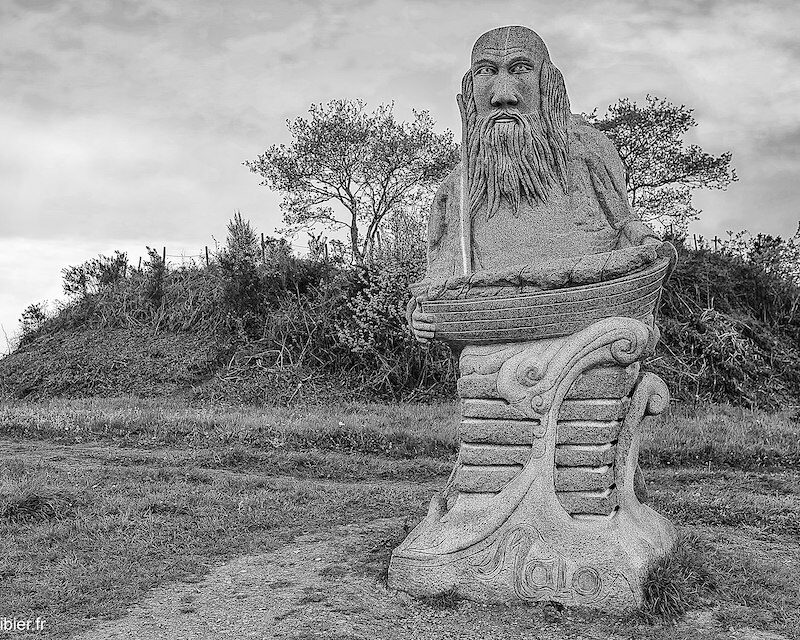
[206,254]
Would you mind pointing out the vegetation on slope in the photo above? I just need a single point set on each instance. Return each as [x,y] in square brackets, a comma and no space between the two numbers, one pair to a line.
[730,323]
[263,326]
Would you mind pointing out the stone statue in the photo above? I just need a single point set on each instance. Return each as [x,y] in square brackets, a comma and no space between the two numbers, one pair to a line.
[547,283]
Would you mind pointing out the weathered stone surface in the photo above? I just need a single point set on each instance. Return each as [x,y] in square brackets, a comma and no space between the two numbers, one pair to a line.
[547,282]
[500,431]
[600,383]
[605,382]
[494,454]
[540,530]
[487,300]
[584,478]
[534,278]
[581,201]
[598,409]
[490,409]
[591,502]
[587,431]
[485,478]
[561,323]
[585,455]
[478,386]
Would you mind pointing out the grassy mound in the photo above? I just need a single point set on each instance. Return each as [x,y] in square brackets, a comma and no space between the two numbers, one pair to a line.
[265,327]
[108,362]
[730,331]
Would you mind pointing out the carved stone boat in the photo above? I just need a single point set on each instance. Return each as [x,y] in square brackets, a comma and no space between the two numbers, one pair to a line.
[512,314]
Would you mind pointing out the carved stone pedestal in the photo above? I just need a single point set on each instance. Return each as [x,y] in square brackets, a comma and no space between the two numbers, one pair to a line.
[541,503]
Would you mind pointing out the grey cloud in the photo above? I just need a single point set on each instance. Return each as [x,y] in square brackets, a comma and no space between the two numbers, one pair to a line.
[210,84]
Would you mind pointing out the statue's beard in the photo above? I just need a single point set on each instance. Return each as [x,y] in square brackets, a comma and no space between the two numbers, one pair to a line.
[514,160]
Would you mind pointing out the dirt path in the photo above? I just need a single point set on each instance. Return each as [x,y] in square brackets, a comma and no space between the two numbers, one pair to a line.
[312,588]
[325,584]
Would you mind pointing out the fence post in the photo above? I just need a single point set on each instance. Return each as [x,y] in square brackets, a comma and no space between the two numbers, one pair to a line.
[327,265]
[206,255]
[139,268]
[164,255]
[694,235]
[715,242]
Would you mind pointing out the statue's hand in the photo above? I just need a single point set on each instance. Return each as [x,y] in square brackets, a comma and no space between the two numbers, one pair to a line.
[639,233]
[422,324]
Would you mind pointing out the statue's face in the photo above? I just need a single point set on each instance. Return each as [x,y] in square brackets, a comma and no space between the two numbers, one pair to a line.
[505,72]
[517,153]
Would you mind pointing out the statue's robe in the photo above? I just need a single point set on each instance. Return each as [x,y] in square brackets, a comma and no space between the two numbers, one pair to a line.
[592,217]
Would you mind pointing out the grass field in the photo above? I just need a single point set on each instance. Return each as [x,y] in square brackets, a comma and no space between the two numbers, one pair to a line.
[103,500]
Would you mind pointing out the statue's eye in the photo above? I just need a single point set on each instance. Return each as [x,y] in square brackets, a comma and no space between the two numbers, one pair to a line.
[485,70]
[521,67]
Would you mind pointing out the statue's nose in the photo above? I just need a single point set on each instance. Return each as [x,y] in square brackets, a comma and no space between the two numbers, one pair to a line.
[504,94]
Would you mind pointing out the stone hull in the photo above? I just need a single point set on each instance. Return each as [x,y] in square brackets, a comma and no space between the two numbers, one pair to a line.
[540,315]
[541,504]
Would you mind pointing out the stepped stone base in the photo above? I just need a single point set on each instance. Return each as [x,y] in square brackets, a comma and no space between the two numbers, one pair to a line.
[541,505]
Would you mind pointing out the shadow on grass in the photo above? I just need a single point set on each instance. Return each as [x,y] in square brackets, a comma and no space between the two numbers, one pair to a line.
[444,600]
[25,505]
[380,554]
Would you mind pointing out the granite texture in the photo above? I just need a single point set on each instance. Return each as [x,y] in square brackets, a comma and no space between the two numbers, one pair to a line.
[535,276]
[558,492]
[546,283]
[538,183]
[599,221]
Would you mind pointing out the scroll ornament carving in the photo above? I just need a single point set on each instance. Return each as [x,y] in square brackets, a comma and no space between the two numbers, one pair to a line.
[531,380]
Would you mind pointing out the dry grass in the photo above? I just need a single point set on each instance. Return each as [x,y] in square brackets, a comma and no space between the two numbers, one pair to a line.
[719,435]
[105,362]
[402,431]
[29,504]
[133,525]
[723,435]
[448,599]
[101,500]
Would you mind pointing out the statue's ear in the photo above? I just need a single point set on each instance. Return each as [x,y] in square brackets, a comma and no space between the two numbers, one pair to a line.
[468,113]
[553,96]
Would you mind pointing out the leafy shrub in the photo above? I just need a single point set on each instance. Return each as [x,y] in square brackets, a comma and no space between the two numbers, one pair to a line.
[155,273]
[95,274]
[240,285]
[375,319]
[373,328]
[33,318]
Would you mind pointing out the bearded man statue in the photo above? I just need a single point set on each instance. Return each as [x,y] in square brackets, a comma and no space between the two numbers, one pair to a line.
[546,284]
[537,187]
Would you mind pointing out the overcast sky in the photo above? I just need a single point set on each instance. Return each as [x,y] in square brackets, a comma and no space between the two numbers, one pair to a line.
[124,123]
